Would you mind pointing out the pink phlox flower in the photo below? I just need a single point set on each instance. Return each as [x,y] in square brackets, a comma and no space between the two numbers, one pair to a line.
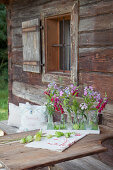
[74,88]
[54,95]
[91,88]
[61,93]
[83,106]
[56,99]
[71,85]
[55,86]
[52,99]
[85,93]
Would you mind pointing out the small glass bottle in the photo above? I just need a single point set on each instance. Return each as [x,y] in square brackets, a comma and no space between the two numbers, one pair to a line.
[50,124]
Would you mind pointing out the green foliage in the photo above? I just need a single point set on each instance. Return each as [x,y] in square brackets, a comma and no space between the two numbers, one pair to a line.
[3,39]
[4,95]
[3,65]
[3,27]
[3,59]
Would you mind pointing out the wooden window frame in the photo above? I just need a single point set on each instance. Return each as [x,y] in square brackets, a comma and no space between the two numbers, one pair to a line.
[72,76]
[57,18]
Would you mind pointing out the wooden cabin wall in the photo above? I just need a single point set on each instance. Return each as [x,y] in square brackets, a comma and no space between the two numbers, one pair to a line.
[25,86]
[95,47]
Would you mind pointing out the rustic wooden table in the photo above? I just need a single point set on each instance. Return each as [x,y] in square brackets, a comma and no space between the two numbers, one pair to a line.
[17,156]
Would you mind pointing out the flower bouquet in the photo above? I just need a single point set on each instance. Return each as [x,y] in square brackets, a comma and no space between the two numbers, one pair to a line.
[81,115]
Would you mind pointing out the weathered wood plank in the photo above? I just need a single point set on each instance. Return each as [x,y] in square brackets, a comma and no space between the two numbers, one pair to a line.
[25,77]
[96,59]
[16,100]
[98,38]
[101,7]
[101,22]
[31,45]
[65,79]
[17,57]
[6,128]
[32,93]
[107,157]
[86,163]
[23,157]
[102,82]
[74,42]
[86,2]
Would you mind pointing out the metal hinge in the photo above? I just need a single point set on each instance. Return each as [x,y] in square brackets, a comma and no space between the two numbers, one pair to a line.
[42,64]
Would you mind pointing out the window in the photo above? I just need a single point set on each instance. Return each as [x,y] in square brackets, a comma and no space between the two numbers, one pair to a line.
[58,44]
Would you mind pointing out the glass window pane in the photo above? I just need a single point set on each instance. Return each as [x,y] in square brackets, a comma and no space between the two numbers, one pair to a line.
[65,52]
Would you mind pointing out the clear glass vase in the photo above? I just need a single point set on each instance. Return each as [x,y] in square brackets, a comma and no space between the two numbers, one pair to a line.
[88,124]
[75,122]
[69,122]
[50,124]
[92,121]
[62,122]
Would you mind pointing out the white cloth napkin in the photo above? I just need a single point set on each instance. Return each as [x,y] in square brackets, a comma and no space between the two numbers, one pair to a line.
[56,144]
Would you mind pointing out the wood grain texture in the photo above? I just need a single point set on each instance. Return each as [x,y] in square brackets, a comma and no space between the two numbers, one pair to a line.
[96,59]
[107,157]
[22,157]
[74,42]
[49,77]
[102,82]
[31,45]
[101,22]
[25,77]
[29,92]
[97,38]
[87,2]
[99,8]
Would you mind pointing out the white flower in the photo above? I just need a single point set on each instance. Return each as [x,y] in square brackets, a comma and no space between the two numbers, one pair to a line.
[83,106]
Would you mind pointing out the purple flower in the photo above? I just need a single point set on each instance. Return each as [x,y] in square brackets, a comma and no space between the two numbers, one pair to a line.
[61,93]
[71,85]
[91,88]
[74,87]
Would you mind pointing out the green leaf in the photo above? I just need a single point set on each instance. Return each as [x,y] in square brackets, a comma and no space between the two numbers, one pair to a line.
[59,134]
[23,140]
[29,139]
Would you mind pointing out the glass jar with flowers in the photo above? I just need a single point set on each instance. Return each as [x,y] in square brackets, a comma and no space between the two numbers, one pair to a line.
[91,109]
[80,115]
[50,92]
[70,103]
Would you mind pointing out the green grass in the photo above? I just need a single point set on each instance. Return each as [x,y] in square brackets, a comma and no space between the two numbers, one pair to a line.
[4,104]
[3,96]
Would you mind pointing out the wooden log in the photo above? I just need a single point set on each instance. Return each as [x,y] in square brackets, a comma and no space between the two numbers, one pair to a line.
[102,82]
[101,22]
[29,92]
[26,77]
[16,100]
[99,8]
[98,38]
[87,2]
[65,78]
[17,57]
[96,59]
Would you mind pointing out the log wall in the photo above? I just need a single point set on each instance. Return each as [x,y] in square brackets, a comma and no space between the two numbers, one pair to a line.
[95,57]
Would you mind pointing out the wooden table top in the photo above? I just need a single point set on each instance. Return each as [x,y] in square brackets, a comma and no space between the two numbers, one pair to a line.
[17,156]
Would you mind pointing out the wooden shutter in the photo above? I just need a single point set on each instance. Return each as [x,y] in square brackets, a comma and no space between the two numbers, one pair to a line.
[31,45]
